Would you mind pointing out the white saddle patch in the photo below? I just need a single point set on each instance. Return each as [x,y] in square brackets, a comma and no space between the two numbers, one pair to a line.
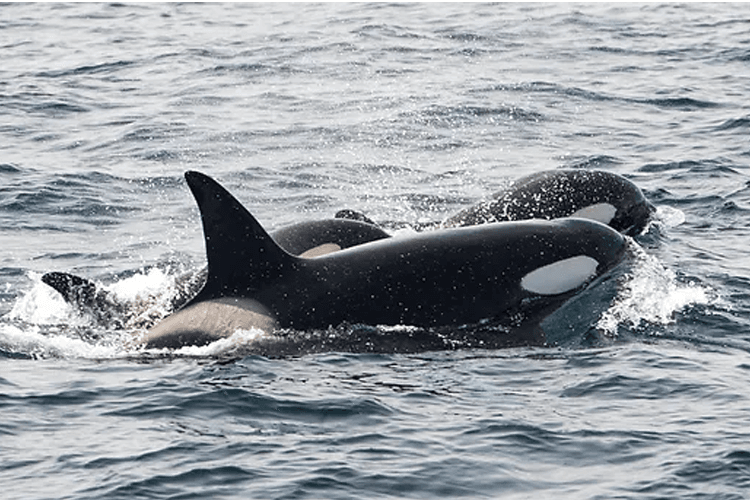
[320,250]
[601,212]
[561,276]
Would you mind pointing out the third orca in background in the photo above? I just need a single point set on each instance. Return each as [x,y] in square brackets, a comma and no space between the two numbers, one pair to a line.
[443,277]
[590,194]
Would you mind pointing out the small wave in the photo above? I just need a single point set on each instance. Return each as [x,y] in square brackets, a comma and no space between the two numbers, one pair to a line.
[543,87]
[593,162]
[666,167]
[734,123]
[108,67]
[254,70]
[681,103]
[737,55]
[86,197]
[9,168]
[453,115]
[58,108]
[710,166]
[55,106]
[723,468]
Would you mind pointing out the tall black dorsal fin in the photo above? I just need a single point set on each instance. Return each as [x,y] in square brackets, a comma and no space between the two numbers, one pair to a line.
[242,256]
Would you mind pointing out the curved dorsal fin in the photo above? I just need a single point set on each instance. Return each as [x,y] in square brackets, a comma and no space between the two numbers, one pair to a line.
[242,256]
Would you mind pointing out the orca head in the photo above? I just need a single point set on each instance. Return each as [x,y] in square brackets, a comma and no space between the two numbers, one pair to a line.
[581,251]
[602,196]
[632,219]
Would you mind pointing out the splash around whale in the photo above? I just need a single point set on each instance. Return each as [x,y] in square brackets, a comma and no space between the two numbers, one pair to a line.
[433,279]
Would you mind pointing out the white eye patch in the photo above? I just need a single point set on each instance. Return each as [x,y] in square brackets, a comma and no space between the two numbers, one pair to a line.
[561,276]
[601,212]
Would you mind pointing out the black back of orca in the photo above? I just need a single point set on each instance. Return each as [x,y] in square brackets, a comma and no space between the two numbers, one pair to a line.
[598,195]
[305,237]
[452,276]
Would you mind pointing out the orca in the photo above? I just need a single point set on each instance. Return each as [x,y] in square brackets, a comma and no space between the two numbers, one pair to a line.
[453,276]
[597,195]
[305,239]
[591,194]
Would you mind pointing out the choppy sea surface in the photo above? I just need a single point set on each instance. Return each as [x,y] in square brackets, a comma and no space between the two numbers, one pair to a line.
[409,113]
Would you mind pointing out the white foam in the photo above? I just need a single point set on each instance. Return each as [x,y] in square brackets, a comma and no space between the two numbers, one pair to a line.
[665,217]
[44,306]
[31,342]
[669,216]
[142,286]
[403,232]
[651,294]
[399,328]
[41,324]
[221,346]
[147,296]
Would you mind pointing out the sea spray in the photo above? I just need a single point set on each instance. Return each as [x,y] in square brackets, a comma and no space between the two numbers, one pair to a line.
[650,294]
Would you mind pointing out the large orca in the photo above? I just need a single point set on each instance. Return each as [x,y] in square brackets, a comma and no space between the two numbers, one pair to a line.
[591,194]
[445,277]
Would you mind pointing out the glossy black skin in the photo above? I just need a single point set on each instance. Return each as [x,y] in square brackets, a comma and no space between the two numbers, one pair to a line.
[560,193]
[446,277]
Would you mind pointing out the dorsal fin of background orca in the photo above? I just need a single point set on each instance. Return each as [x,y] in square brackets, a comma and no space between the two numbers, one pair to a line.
[241,255]
[74,289]
[86,296]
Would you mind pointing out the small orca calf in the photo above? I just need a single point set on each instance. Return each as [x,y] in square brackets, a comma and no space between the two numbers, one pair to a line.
[590,194]
[444,277]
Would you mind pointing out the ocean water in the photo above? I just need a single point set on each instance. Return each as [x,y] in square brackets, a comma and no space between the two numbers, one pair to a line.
[409,113]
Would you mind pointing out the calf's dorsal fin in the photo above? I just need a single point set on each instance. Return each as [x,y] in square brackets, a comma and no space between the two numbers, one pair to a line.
[241,255]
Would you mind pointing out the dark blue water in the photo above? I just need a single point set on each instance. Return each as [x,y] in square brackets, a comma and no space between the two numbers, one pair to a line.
[408,113]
